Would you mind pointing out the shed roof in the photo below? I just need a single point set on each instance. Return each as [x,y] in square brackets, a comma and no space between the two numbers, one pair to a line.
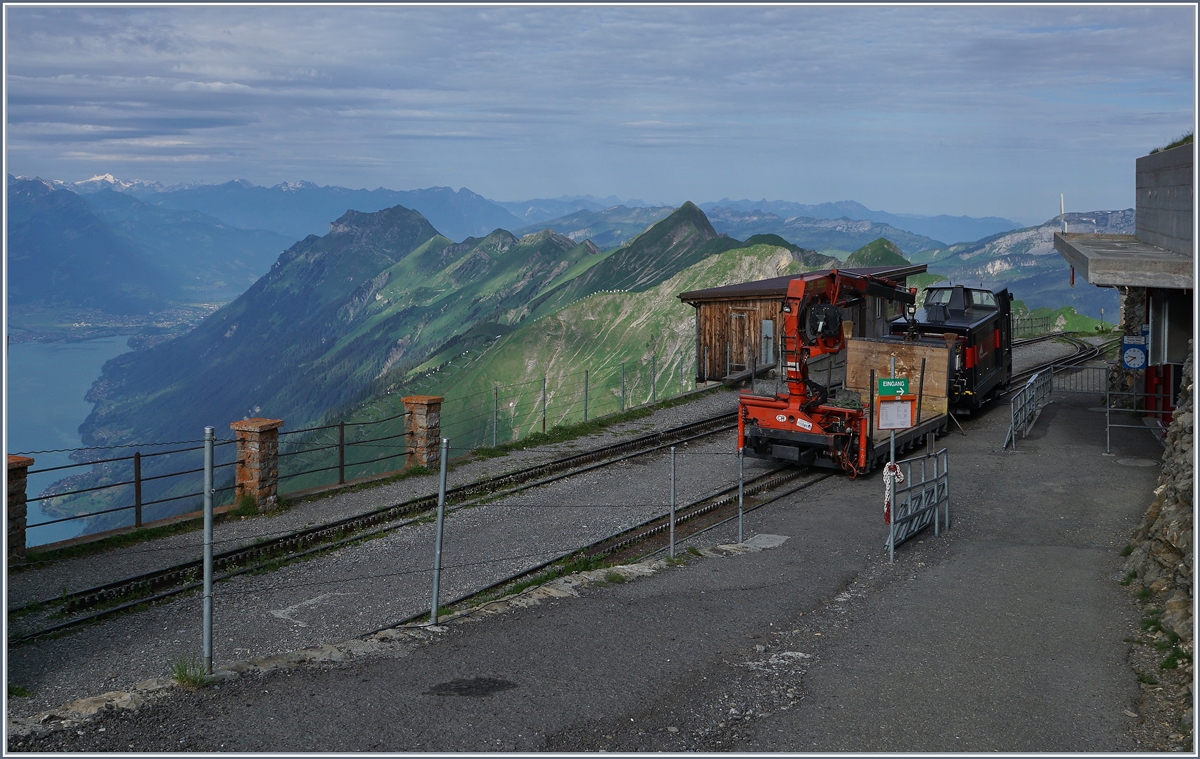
[776,287]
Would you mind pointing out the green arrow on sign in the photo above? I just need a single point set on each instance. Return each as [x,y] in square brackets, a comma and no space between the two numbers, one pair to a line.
[892,386]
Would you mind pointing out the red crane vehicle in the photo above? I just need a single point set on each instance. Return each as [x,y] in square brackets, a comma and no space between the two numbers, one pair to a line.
[803,424]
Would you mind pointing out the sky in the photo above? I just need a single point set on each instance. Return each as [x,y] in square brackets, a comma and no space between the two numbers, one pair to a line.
[962,110]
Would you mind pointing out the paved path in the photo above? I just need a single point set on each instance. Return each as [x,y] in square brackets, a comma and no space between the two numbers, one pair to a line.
[1004,634]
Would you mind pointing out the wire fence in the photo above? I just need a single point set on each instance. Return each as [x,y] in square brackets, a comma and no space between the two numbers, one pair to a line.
[1031,326]
[102,493]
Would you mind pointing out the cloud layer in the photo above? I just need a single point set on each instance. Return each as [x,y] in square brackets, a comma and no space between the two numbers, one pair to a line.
[961,110]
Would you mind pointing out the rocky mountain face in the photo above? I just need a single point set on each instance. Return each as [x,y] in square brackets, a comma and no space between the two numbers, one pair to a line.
[1025,260]
[819,234]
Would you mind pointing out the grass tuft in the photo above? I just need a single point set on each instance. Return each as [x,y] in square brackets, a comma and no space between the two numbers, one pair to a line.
[16,691]
[615,578]
[189,673]
[1127,550]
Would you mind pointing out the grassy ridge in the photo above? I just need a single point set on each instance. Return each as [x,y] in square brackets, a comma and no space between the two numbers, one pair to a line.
[649,330]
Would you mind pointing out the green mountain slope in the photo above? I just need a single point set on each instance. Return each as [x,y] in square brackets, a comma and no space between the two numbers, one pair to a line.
[670,246]
[596,334]
[262,353]
[881,252]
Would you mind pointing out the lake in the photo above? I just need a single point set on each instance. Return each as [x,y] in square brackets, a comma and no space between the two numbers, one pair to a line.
[46,385]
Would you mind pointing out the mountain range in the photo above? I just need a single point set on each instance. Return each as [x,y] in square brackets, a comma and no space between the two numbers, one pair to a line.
[941,227]
[112,252]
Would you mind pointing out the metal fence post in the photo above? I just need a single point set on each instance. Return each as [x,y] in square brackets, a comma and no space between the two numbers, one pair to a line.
[741,481]
[585,394]
[495,411]
[341,452]
[1107,417]
[672,549]
[437,546]
[543,404]
[622,386]
[654,378]
[137,489]
[208,547]
[681,372]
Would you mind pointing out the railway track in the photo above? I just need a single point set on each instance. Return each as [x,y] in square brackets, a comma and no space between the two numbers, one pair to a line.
[128,593]
[1084,351]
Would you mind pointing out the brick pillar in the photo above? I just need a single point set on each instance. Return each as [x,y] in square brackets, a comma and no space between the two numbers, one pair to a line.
[18,469]
[258,460]
[424,429]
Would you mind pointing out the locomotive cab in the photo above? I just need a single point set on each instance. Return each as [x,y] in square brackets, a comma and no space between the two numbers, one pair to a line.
[978,322]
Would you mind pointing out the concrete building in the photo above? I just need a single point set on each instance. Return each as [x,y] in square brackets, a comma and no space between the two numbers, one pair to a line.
[1153,269]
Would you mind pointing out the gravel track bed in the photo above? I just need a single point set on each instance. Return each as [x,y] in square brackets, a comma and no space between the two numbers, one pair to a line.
[75,574]
[1028,356]
[360,588]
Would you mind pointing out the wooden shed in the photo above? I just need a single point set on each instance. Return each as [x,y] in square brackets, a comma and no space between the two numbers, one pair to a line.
[737,326]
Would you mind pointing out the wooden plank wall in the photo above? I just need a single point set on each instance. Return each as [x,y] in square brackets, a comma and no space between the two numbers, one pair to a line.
[865,354]
[714,320]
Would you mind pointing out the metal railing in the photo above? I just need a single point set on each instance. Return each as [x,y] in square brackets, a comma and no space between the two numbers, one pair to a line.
[137,481]
[920,499]
[1081,379]
[1160,399]
[303,454]
[1027,404]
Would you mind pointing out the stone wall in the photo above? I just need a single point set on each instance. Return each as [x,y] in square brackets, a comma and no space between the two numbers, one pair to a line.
[1162,556]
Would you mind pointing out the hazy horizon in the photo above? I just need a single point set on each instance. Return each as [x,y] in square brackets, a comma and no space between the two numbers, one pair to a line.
[923,110]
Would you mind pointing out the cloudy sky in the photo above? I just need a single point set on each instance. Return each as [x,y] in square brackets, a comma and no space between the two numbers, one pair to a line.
[935,109]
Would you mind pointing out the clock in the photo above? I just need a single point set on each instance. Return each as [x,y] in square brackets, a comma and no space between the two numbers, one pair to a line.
[1134,357]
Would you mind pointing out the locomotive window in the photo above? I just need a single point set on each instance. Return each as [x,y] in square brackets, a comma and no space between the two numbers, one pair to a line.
[982,299]
[937,297]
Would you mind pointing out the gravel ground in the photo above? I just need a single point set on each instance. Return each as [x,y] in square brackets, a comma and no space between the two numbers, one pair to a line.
[75,574]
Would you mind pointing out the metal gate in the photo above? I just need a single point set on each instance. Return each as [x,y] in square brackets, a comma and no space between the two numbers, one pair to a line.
[1027,404]
[919,500]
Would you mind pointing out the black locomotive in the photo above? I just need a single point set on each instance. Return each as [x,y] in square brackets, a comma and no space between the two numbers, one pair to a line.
[978,323]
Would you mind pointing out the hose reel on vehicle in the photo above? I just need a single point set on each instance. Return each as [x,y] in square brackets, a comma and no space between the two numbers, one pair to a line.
[824,320]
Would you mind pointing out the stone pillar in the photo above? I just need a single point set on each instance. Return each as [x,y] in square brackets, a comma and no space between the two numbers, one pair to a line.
[258,461]
[18,469]
[424,430]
